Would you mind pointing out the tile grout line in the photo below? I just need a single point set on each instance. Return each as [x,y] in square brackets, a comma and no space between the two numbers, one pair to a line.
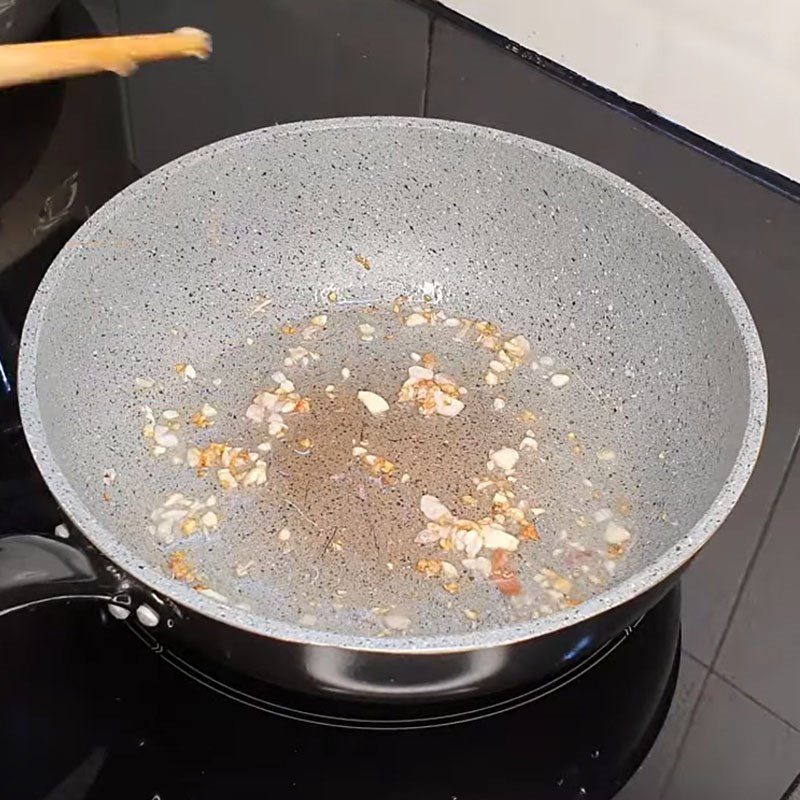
[693,715]
[685,735]
[710,670]
[756,553]
[428,55]
[755,701]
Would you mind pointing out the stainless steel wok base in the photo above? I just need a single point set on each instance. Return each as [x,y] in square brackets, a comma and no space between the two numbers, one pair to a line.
[658,632]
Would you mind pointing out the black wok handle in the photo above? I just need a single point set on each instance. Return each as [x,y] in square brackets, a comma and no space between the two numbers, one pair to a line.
[35,569]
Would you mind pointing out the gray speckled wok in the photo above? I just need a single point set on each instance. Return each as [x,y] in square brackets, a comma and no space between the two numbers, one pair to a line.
[509,228]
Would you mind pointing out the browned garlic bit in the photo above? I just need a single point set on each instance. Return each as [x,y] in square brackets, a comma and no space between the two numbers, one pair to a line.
[462,535]
[205,417]
[236,466]
[424,315]
[180,569]
[376,465]
[272,404]
[183,516]
[432,393]
[488,334]
[416,319]
[616,535]
[559,584]
[186,371]
[508,354]
[500,533]
[315,326]
[428,360]
[429,567]
[148,431]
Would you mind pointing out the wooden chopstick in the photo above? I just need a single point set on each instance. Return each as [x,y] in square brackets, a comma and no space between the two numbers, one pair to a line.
[44,61]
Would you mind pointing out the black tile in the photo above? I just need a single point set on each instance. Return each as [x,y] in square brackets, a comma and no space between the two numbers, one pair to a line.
[754,231]
[104,15]
[735,750]
[273,61]
[761,652]
[651,778]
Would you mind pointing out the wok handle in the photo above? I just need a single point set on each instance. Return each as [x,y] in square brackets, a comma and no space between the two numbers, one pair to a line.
[35,569]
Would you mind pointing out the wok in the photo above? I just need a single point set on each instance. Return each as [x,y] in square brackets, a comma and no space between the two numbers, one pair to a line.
[665,358]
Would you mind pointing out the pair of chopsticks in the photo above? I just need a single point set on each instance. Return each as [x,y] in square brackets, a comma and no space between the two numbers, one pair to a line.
[44,61]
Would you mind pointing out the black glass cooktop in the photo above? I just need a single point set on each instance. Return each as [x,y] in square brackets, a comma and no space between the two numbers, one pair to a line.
[107,716]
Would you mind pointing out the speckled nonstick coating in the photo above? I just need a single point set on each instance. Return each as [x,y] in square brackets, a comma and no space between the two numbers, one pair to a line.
[587,266]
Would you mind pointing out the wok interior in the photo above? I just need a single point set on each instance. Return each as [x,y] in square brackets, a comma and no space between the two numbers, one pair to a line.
[508,233]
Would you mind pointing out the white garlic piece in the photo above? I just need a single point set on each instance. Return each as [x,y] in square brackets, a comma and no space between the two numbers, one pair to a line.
[434,509]
[374,403]
[505,458]
[616,534]
[415,319]
[495,538]
[226,479]
[449,572]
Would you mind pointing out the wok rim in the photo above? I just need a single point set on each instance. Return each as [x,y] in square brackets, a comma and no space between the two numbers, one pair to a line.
[648,577]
